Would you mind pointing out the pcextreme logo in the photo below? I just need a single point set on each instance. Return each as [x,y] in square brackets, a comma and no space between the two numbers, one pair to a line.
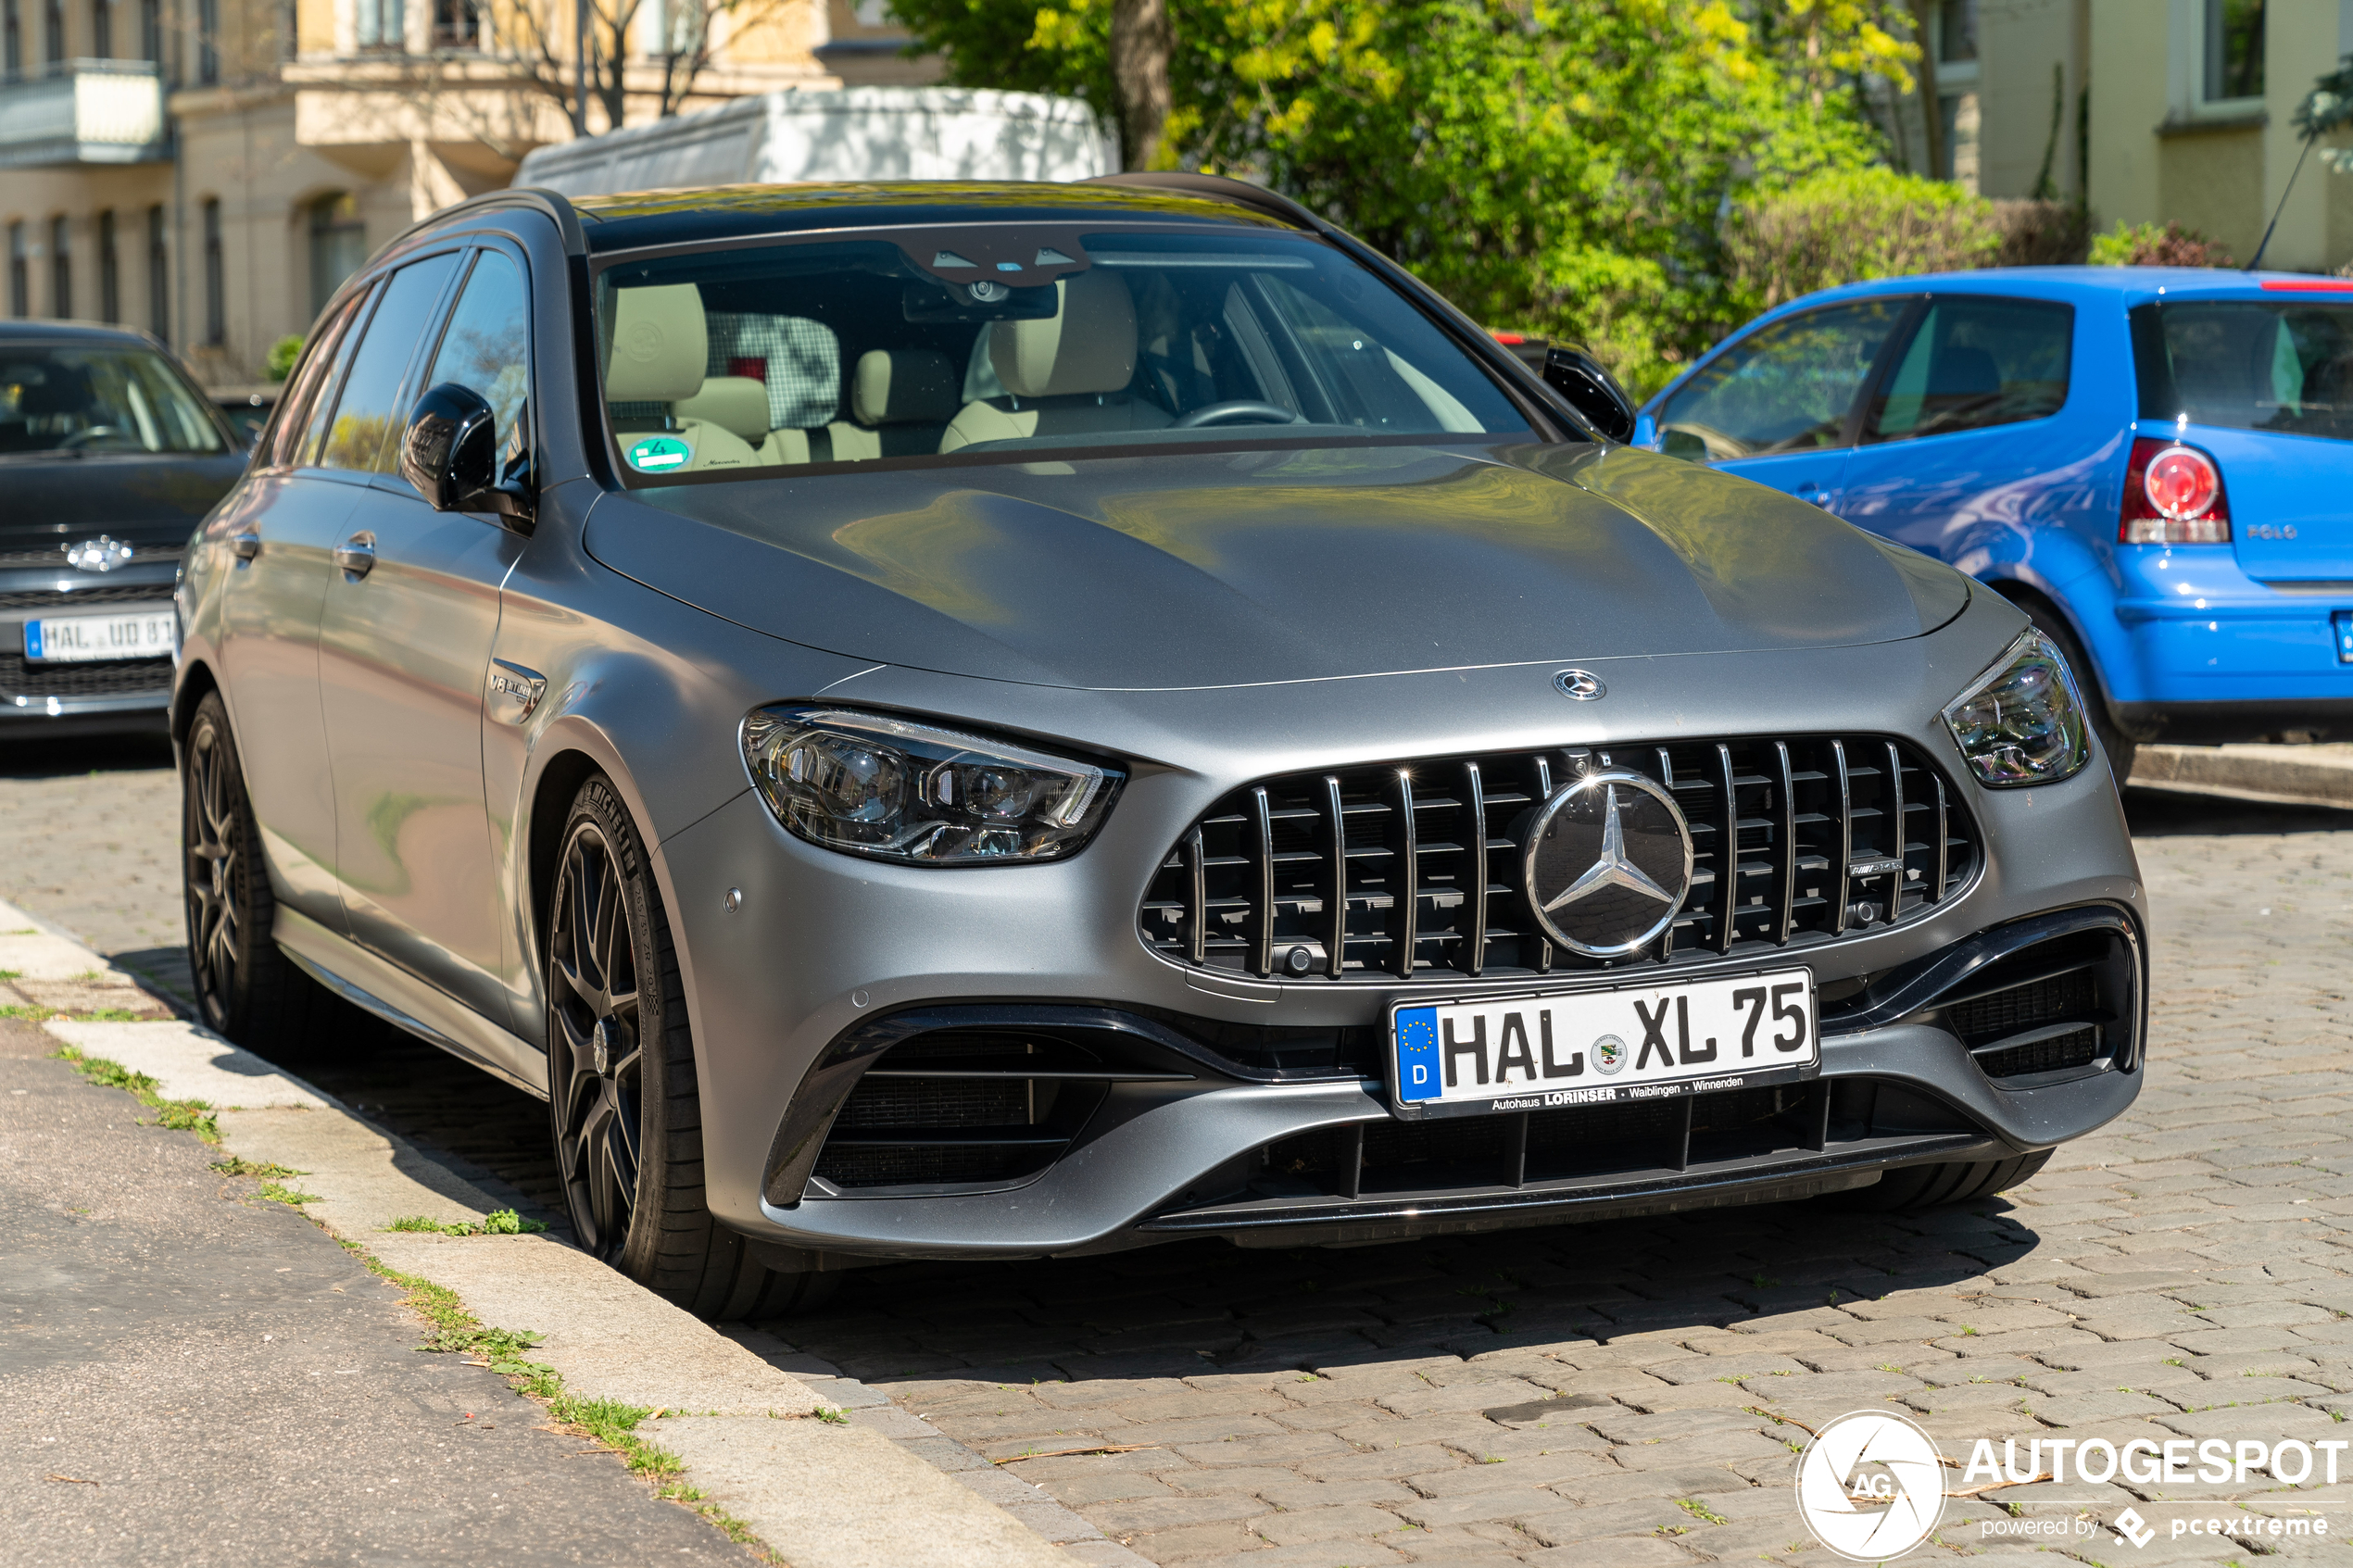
[1871,1486]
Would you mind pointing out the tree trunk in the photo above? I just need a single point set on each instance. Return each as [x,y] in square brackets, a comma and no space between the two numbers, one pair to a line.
[1139,49]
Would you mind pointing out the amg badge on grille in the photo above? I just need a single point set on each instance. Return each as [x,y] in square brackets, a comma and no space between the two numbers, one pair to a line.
[1609,859]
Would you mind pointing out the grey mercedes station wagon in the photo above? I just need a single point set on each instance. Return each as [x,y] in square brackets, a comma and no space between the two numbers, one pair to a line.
[942,721]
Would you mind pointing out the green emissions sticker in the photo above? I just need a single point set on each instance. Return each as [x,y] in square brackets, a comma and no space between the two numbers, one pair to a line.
[656,453]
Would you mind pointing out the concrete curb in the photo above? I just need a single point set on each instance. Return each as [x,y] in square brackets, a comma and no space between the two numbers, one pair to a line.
[876,1489]
[2312,775]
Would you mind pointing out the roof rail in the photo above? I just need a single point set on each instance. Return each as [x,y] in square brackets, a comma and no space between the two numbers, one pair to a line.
[1217,187]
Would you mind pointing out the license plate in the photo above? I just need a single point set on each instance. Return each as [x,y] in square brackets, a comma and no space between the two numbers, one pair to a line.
[1587,1047]
[137,633]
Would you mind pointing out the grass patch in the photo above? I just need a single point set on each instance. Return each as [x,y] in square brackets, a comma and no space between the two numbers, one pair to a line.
[499,1222]
[608,1422]
[180,1115]
[29,1013]
[276,1194]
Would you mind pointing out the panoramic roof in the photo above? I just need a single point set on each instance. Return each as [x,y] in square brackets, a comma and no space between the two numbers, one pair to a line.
[628,220]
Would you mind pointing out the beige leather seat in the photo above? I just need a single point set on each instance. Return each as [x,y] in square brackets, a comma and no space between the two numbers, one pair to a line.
[659,346]
[1065,375]
[901,401]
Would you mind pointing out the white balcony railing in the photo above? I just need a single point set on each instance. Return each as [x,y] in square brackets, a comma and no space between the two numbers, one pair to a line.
[82,111]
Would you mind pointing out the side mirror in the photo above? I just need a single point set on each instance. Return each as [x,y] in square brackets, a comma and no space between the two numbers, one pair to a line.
[450,454]
[1591,390]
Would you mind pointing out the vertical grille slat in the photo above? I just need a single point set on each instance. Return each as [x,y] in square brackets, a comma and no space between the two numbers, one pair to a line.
[1415,871]
[1336,847]
[1474,835]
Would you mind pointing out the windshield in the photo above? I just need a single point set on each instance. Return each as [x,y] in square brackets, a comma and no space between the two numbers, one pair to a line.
[971,339]
[2248,364]
[92,400]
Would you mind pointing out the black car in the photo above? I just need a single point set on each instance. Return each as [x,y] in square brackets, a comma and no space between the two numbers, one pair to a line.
[109,457]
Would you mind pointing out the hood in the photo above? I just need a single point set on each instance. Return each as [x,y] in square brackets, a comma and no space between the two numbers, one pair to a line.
[1240,568]
[142,499]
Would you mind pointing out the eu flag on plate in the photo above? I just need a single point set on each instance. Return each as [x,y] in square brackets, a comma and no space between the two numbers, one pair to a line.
[1417,1054]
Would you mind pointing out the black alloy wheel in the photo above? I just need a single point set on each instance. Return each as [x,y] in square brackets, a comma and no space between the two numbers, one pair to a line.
[246,989]
[623,1098]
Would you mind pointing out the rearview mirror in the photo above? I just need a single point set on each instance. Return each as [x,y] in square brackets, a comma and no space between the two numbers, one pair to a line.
[1591,390]
[450,454]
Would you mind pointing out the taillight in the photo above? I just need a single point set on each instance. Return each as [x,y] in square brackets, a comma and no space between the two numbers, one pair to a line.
[2172,495]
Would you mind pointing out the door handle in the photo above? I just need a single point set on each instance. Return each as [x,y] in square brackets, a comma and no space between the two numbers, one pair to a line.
[247,544]
[357,554]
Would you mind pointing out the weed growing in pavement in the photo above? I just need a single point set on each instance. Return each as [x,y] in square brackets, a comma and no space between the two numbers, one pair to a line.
[608,1422]
[272,1192]
[27,1014]
[264,1170]
[8,975]
[1698,1509]
[180,1115]
[499,1222]
[832,1415]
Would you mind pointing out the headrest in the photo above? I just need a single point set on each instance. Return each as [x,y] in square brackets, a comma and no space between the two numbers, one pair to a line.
[901,386]
[1088,345]
[735,404]
[660,344]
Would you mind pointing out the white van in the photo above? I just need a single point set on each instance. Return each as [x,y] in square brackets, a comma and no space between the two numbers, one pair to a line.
[848,134]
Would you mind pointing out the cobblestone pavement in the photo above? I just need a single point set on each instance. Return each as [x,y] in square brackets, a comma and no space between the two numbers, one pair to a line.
[1632,1393]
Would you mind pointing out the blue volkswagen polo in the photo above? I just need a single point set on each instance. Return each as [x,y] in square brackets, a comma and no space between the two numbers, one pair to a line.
[2155,463]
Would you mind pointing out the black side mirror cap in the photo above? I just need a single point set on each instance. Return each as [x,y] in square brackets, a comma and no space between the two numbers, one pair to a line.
[451,453]
[1591,390]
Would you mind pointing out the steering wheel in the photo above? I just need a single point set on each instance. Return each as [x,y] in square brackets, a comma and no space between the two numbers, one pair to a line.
[1248,409]
[81,438]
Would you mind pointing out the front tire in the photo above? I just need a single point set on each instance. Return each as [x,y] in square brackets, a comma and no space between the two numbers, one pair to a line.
[245,989]
[623,1103]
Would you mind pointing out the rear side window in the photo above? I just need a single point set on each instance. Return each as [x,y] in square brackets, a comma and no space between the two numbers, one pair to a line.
[363,436]
[1785,388]
[2248,364]
[1972,363]
[313,380]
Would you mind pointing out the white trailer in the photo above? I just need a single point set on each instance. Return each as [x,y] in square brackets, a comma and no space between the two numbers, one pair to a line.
[848,133]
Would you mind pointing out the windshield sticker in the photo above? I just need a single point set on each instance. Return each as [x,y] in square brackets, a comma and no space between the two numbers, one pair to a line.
[658,453]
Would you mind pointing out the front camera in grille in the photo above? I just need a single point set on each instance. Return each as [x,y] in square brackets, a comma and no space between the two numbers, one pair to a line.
[1410,869]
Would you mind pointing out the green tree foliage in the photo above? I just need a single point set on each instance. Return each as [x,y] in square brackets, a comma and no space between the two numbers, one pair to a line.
[1849,224]
[1562,169]
[2157,245]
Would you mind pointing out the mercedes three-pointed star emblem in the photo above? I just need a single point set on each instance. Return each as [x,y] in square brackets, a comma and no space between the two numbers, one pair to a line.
[1607,864]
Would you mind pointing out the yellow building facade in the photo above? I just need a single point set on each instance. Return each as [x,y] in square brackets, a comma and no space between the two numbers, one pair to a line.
[211,170]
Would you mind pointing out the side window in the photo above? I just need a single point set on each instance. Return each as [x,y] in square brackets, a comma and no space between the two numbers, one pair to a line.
[488,347]
[1972,363]
[1786,388]
[364,435]
[306,417]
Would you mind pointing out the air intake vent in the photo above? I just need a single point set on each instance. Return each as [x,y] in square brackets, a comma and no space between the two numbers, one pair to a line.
[103,677]
[1410,869]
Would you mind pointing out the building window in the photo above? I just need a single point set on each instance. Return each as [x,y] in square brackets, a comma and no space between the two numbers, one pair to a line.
[338,245]
[53,47]
[12,36]
[102,29]
[456,24]
[61,268]
[151,30]
[215,279]
[19,272]
[109,270]
[2234,49]
[159,276]
[383,25]
[207,41]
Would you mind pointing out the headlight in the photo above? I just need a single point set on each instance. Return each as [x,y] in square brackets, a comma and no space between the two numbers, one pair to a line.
[866,783]
[2022,721]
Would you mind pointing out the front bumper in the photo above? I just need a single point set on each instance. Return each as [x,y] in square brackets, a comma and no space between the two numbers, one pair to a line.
[100,695]
[818,947]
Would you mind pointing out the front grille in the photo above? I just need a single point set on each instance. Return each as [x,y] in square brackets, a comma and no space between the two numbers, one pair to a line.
[68,601]
[1411,870]
[103,677]
[55,555]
